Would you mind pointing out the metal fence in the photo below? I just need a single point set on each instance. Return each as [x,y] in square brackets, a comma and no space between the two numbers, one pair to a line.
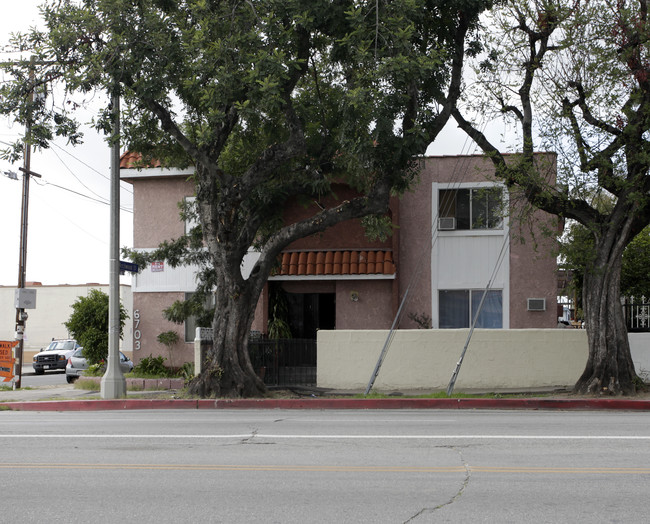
[637,314]
[281,362]
[284,362]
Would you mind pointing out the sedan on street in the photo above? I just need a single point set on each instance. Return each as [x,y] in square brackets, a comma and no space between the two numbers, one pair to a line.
[77,364]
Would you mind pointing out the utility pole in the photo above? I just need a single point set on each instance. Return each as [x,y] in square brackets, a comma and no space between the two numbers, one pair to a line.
[21,315]
[113,383]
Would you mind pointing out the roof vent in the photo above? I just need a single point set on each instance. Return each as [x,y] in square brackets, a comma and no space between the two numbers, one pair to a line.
[536,304]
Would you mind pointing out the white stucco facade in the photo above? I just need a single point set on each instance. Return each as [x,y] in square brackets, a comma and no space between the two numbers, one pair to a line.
[53,308]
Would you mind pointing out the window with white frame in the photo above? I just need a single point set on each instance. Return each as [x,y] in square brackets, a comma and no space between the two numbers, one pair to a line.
[457,308]
[471,208]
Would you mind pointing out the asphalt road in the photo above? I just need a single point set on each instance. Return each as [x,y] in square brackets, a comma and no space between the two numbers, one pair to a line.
[50,378]
[325,466]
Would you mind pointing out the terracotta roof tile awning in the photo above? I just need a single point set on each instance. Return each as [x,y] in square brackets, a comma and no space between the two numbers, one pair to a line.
[130,160]
[378,263]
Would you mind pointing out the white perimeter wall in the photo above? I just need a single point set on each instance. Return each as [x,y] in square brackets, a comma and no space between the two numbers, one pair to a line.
[640,349]
[426,359]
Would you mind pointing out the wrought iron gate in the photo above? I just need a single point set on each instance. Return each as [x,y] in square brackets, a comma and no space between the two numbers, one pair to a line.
[284,362]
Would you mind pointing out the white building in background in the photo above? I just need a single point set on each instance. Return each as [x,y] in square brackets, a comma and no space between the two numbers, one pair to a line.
[53,308]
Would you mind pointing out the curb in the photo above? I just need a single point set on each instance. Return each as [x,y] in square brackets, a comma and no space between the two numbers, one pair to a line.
[332,403]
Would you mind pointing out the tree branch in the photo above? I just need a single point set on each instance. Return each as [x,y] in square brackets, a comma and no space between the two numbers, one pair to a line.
[453,93]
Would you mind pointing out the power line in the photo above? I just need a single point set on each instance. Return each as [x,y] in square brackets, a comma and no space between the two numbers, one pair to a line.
[100,198]
[76,177]
[13,176]
[88,166]
[46,183]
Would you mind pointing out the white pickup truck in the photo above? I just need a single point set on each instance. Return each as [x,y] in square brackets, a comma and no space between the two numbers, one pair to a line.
[54,356]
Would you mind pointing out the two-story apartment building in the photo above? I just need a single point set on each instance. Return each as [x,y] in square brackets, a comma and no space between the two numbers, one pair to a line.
[456,234]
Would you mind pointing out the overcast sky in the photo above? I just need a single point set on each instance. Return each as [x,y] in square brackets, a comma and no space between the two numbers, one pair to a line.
[68,233]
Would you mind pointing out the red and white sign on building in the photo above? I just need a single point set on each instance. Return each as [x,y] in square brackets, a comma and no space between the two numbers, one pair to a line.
[157,267]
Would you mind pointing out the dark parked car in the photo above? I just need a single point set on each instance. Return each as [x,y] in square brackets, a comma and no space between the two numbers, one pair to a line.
[77,364]
[54,356]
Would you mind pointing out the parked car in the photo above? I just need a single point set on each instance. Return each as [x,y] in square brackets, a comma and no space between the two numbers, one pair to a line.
[54,356]
[77,364]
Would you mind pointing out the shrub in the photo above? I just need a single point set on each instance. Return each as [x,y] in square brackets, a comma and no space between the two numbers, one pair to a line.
[152,366]
[187,371]
[169,339]
[88,323]
[96,370]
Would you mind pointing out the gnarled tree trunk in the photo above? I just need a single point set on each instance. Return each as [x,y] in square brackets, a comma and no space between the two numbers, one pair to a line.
[228,371]
[609,370]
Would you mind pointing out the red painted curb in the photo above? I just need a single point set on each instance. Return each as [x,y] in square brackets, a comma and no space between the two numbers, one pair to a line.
[332,403]
[102,405]
[437,403]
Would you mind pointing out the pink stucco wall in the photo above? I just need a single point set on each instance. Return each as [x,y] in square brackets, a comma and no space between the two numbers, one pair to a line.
[376,305]
[372,310]
[346,235]
[261,318]
[533,272]
[155,201]
[149,307]
[532,263]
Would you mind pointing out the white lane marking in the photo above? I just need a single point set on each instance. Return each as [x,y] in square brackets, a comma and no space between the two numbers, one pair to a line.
[335,437]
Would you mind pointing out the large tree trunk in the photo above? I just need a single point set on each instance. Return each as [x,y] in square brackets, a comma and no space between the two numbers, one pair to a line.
[227,371]
[609,370]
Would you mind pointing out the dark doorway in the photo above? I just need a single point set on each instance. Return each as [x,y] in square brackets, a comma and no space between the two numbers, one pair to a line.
[309,312]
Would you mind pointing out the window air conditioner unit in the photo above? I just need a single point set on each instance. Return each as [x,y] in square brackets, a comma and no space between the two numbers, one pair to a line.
[536,304]
[446,223]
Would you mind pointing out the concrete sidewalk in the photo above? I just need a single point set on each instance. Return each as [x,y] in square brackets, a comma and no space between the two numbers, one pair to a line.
[68,398]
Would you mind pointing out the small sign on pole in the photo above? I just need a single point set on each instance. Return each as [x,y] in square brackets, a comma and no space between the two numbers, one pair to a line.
[128,266]
[7,360]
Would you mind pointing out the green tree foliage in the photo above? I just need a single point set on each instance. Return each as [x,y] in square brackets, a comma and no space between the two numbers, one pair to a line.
[635,271]
[88,324]
[272,102]
[577,251]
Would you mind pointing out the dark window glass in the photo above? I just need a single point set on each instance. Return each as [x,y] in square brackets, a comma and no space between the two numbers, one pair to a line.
[454,309]
[479,208]
[463,219]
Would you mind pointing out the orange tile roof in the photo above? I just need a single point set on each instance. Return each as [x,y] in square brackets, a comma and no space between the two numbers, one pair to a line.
[131,159]
[333,262]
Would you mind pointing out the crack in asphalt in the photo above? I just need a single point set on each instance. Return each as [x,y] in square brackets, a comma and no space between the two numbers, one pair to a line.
[248,440]
[455,497]
[251,440]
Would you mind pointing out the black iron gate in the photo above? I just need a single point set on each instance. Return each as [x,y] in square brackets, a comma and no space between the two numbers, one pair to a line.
[284,362]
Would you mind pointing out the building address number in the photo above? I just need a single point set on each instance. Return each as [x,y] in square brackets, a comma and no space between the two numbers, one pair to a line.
[137,334]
